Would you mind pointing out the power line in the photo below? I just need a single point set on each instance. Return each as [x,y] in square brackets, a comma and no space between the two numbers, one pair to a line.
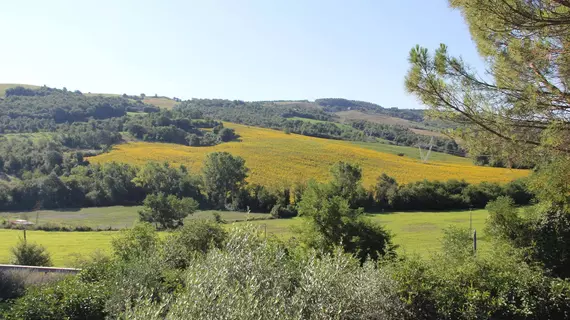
[425,157]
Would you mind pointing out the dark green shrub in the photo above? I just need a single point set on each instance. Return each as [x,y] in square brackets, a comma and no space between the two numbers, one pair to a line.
[282,212]
[30,254]
[12,285]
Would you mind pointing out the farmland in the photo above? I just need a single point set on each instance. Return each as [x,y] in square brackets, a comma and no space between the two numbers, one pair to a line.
[160,102]
[415,232]
[275,159]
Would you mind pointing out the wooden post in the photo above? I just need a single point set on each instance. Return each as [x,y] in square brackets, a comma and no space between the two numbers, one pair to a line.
[475,242]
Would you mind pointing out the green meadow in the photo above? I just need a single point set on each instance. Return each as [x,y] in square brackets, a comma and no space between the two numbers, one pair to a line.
[414,232]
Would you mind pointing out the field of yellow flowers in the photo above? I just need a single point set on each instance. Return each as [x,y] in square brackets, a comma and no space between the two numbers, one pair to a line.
[278,159]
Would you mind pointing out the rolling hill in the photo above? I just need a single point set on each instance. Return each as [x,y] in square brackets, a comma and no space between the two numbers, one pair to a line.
[4,86]
[275,159]
[161,102]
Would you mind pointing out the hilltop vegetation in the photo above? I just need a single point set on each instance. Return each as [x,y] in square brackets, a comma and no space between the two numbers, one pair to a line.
[316,120]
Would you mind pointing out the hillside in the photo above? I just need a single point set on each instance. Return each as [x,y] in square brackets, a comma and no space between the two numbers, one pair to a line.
[335,110]
[4,86]
[276,158]
[161,102]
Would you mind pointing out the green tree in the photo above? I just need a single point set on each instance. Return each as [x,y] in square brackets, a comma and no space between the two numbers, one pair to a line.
[227,134]
[155,178]
[332,222]
[166,212]
[385,189]
[347,182]
[224,175]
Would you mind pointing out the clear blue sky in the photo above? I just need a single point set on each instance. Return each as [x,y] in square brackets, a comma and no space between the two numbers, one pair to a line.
[249,50]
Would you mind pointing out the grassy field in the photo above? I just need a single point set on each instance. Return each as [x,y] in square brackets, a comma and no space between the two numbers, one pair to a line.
[116,217]
[275,159]
[160,102]
[415,232]
[63,246]
[377,118]
[413,153]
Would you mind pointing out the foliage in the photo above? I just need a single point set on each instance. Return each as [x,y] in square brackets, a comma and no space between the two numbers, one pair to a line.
[199,236]
[332,220]
[385,190]
[456,284]
[517,112]
[504,221]
[224,175]
[253,278]
[544,233]
[166,212]
[12,285]
[347,182]
[66,299]
[438,195]
[30,254]
[135,242]
[162,178]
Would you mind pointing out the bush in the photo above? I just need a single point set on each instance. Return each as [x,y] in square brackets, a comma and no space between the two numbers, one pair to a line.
[141,240]
[30,254]
[199,236]
[282,212]
[66,299]
[456,284]
[12,285]
[255,278]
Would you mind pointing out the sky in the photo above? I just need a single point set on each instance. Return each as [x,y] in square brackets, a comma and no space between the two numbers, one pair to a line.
[247,50]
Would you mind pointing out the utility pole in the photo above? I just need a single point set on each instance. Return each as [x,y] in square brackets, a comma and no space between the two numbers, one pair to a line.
[425,157]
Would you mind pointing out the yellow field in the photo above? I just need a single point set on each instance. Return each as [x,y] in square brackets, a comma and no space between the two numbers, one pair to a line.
[276,159]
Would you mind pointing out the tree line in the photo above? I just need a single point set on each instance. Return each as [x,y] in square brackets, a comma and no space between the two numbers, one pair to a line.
[70,182]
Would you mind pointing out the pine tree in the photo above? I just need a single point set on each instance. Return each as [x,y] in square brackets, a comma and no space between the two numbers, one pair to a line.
[520,109]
